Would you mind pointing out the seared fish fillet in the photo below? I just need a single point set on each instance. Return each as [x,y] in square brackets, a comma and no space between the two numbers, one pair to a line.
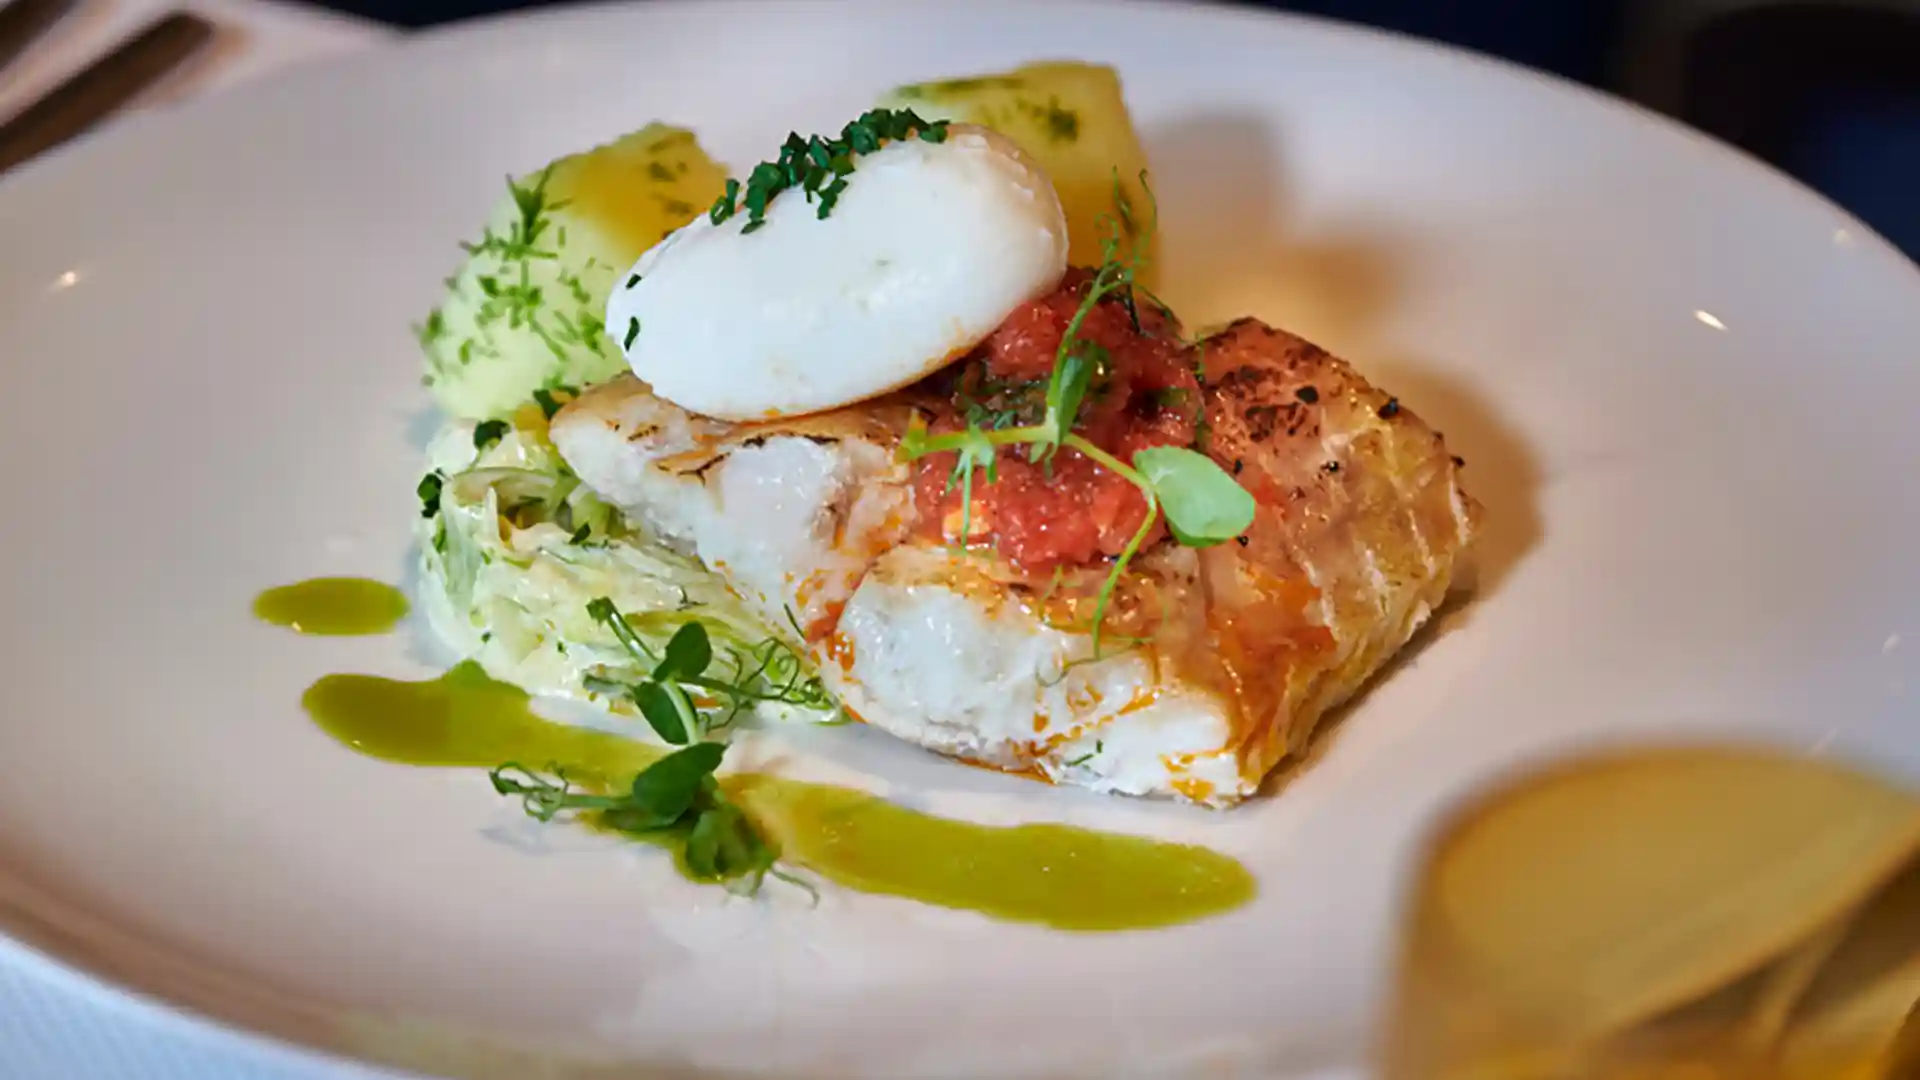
[791,513]
[1228,656]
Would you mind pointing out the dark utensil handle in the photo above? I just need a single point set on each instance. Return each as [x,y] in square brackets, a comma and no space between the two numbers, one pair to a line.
[23,21]
[104,86]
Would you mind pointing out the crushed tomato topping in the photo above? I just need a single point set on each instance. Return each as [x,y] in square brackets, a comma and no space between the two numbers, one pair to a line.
[1068,511]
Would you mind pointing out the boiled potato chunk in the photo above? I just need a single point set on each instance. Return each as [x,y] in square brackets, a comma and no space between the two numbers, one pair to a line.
[526,310]
[1072,119]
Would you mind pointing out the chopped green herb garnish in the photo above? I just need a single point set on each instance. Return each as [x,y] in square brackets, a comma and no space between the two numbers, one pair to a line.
[818,166]
[962,86]
[1061,124]
[432,329]
[1098,748]
[429,492]
[488,433]
[723,206]
[522,239]
[632,280]
[526,284]
[545,399]
[590,330]
[633,331]
[580,535]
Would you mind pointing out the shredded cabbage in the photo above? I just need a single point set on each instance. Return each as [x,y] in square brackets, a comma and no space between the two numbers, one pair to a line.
[518,548]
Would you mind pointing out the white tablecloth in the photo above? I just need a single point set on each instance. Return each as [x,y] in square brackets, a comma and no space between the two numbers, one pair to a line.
[53,1025]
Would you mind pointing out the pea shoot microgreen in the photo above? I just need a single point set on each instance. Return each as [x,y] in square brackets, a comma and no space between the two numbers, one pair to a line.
[768,673]
[818,166]
[1204,506]
[1201,503]
[676,799]
[687,695]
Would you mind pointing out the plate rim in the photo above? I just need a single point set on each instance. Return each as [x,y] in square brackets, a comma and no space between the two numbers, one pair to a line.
[30,943]
[457,33]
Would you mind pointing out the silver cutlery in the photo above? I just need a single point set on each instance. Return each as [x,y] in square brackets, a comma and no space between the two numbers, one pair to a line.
[23,21]
[102,87]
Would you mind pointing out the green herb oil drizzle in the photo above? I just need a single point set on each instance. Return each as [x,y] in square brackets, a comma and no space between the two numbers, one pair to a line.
[1055,875]
[333,606]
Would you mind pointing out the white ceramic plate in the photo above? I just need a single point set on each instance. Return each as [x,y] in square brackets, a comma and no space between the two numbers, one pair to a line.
[1687,391]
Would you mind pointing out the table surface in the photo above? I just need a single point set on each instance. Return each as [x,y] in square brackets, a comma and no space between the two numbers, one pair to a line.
[55,1025]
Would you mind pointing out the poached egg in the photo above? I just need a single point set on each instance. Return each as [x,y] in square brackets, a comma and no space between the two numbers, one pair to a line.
[928,249]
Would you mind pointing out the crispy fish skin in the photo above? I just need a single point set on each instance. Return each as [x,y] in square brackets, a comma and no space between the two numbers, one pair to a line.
[1362,529]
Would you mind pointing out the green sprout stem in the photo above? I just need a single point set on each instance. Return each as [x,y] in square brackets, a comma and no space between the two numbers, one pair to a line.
[690,719]
[1132,476]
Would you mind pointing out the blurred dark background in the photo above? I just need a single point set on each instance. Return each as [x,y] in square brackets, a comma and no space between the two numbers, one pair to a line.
[1827,90]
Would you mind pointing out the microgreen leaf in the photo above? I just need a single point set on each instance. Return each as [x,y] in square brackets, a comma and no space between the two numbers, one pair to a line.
[666,791]
[666,709]
[545,399]
[678,795]
[678,792]
[771,671]
[688,653]
[1201,503]
[1204,506]
[723,845]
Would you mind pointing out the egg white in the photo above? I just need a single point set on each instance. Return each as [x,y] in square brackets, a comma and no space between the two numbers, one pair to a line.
[928,249]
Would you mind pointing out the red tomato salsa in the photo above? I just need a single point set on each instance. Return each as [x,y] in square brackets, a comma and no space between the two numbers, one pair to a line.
[1072,510]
